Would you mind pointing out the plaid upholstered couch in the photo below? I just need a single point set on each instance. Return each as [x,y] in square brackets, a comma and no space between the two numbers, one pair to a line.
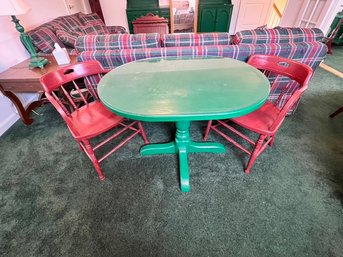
[300,44]
[64,30]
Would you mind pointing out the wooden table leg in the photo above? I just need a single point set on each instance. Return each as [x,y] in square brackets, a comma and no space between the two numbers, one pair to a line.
[23,113]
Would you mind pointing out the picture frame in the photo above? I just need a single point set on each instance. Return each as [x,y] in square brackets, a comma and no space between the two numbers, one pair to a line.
[183,16]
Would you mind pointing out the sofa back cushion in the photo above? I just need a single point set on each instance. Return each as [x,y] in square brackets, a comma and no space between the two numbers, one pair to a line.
[85,18]
[278,35]
[92,24]
[117,41]
[193,39]
[68,38]
[94,28]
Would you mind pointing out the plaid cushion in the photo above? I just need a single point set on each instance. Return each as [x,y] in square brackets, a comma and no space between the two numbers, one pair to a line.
[278,35]
[68,38]
[94,28]
[117,41]
[116,30]
[69,27]
[68,23]
[310,53]
[84,18]
[92,24]
[44,39]
[71,51]
[193,39]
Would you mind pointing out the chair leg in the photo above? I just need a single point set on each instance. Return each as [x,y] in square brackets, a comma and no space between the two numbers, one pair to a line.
[272,140]
[209,124]
[255,153]
[80,145]
[93,158]
[339,110]
[140,126]
[328,44]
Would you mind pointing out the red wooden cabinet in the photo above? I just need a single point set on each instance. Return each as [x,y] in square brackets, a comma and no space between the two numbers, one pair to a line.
[150,24]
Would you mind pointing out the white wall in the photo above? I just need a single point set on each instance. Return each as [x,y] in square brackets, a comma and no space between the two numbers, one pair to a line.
[164,3]
[13,52]
[293,8]
[114,13]
[234,16]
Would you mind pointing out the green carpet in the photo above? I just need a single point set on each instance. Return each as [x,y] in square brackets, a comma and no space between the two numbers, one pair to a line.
[52,203]
[336,59]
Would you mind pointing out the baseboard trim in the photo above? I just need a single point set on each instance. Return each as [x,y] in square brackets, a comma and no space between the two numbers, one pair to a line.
[7,123]
[331,70]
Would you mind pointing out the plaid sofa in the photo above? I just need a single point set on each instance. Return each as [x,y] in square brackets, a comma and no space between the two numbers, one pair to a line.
[64,30]
[303,45]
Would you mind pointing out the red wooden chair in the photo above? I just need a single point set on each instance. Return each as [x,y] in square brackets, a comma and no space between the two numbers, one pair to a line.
[267,119]
[72,91]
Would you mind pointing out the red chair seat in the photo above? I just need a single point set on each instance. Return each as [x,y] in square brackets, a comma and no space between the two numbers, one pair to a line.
[261,120]
[93,120]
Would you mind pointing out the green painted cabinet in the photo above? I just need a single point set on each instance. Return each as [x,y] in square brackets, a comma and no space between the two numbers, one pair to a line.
[214,16]
[142,3]
[138,8]
[338,38]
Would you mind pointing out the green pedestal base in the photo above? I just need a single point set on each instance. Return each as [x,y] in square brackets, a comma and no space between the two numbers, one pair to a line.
[38,62]
[182,146]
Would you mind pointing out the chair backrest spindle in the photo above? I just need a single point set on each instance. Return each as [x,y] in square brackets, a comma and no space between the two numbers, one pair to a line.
[293,77]
[73,87]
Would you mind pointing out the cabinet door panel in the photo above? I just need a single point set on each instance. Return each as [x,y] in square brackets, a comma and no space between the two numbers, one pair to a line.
[223,19]
[207,19]
[142,4]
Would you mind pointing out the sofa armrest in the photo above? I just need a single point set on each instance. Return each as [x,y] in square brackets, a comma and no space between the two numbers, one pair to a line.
[116,30]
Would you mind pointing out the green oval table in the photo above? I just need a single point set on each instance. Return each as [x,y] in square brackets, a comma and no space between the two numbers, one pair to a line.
[182,90]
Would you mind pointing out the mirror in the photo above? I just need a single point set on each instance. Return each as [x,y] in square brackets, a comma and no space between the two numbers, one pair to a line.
[183,16]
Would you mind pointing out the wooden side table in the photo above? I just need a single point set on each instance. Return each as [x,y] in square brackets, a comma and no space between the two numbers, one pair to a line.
[20,79]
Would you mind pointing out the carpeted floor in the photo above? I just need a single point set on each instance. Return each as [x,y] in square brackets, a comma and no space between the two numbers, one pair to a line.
[336,59]
[52,203]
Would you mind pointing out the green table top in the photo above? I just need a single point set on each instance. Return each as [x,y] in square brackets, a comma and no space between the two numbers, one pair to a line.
[175,89]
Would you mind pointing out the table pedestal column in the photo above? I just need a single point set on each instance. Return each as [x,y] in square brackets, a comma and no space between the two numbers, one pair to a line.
[182,146]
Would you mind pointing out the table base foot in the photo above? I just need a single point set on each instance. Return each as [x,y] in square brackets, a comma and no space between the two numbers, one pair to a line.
[152,149]
[205,147]
[182,146]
